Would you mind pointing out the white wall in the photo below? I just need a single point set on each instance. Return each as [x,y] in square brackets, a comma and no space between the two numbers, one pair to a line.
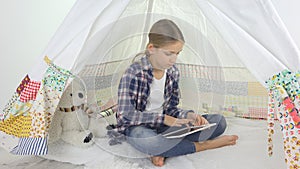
[289,12]
[25,29]
[27,26]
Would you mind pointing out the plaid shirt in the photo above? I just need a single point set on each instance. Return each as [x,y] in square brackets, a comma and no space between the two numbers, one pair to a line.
[133,93]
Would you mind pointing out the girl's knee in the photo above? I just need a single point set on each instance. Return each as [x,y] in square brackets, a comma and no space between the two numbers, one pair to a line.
[220,121]
[217,118]
[222,124]
[141,132]
[136,132]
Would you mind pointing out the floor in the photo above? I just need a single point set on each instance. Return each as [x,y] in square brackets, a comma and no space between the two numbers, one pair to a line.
[9,161]
[249,153]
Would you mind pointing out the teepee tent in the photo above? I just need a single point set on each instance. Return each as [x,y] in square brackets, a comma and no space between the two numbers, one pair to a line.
[235,54]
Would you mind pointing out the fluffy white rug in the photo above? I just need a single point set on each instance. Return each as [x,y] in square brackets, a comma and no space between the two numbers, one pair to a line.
[250,152]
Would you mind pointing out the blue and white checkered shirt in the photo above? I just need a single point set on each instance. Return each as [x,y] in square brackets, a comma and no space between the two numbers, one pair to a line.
[133,93]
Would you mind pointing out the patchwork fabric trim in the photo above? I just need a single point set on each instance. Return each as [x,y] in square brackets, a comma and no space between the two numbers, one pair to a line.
[47,99]
[23,84]
[271,122]
[235,84]
[31,146]
[8,106]
[26,91]
[291,138]
[284,91]
[28,115]
[293,112]
[20,108]
[18,126]
[289,81]
[30,91]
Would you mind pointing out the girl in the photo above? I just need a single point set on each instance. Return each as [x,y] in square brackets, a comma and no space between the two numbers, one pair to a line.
[148,96]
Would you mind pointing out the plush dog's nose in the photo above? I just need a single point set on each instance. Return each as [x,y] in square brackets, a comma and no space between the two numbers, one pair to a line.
[80,95]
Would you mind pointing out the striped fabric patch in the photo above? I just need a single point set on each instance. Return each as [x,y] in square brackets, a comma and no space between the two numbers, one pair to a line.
[30,91]
[105,113]
[31,146]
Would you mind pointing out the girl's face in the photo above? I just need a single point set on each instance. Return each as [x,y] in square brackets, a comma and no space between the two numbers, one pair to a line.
[164,57]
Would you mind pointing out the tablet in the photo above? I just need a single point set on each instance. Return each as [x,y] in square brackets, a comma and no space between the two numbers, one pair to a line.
[184,131]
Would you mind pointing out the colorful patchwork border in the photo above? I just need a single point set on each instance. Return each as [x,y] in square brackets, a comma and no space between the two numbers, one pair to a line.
[28,114]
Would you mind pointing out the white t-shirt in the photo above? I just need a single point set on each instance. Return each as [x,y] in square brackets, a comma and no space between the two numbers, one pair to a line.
[156,97]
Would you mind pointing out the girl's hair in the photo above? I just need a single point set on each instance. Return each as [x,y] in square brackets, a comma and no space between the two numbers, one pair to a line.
[164,32]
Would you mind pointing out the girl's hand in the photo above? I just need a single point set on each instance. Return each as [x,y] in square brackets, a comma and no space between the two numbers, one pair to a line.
[197,119]
[172,121]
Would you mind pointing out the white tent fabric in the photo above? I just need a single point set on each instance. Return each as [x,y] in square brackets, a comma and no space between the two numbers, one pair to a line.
[248,27]
[223,36]
[69,39]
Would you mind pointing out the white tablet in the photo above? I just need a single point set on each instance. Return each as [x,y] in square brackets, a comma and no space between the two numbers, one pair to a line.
[187,130]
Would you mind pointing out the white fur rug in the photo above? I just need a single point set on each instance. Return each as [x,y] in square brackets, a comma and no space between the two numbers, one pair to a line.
[249,153]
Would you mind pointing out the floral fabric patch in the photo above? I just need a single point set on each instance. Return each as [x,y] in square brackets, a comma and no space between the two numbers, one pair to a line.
[9,106]
[47,99]
[42,111]
[284,92]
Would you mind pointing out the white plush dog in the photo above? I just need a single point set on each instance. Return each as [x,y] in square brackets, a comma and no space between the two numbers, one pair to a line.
[71,122]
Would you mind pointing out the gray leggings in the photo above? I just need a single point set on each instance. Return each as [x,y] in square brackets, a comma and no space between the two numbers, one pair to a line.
[149,141]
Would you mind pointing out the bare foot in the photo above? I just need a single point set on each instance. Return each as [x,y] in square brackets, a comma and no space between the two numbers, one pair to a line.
[158,161]
[221,141]
[225,140]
